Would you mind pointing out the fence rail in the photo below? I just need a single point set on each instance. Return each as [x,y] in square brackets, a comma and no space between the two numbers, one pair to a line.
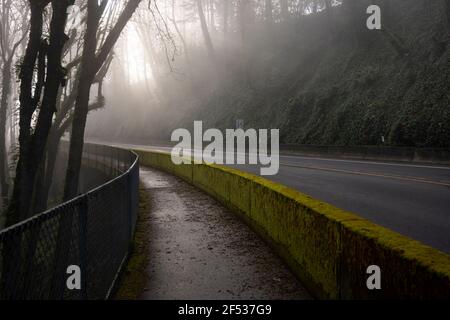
[92,232]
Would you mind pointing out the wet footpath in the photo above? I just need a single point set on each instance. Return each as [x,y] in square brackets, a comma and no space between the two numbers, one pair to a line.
[201,250]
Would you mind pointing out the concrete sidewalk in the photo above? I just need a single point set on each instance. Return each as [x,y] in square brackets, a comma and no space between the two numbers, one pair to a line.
[200,250]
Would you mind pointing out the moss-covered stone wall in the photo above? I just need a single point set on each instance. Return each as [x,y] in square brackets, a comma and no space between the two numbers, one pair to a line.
[327,248]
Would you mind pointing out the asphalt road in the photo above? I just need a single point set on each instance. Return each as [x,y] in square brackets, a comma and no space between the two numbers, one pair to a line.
[411,199]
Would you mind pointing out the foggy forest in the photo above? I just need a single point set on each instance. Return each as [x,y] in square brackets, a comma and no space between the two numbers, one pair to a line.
[344,106]
[133,71]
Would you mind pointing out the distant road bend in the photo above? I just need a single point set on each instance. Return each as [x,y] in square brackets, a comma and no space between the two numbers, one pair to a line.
[411,199]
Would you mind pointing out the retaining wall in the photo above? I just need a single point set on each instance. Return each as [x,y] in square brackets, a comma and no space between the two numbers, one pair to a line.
[327,248]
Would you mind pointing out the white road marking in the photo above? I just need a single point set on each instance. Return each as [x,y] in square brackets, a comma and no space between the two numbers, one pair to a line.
[371,162]
[380,175]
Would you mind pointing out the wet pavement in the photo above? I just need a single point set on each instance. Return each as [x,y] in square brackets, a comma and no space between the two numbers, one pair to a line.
[201,250]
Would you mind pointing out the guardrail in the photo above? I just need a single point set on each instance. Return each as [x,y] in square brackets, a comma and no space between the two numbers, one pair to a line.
[377,153]
[92,232]
[328,249]
[434,155]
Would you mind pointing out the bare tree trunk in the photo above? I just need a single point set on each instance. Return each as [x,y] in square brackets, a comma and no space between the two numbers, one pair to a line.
[27,105]
[83,91]
[243,25]
[175,24]
[150,52]
[44,182]
[212,16]
[54,80]
[90,65]
[206,35]
[6,91]
[268,12]
[226,10]
[32,146]
[60,126]
[8,48]
[243,21]
[284,10]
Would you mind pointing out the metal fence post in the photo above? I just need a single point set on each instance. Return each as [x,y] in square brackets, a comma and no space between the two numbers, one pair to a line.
[82,225]
[130,205]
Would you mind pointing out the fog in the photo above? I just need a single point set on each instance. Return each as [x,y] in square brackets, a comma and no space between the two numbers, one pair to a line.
[344,101]
[165,67]
[322,72]
[311,68]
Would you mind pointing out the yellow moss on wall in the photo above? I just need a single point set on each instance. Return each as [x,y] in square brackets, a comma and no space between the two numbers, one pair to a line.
[328,248]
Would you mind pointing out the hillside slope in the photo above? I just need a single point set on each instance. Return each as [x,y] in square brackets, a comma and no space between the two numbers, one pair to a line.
[323,86]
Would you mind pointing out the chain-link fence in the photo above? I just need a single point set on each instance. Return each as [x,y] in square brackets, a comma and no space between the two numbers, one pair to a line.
[91,232]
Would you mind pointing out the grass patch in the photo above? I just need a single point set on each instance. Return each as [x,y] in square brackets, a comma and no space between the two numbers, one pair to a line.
[134,278]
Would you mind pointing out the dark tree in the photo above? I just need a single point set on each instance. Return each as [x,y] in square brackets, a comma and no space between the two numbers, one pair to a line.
[91,63]
[45,57]
[8,49]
